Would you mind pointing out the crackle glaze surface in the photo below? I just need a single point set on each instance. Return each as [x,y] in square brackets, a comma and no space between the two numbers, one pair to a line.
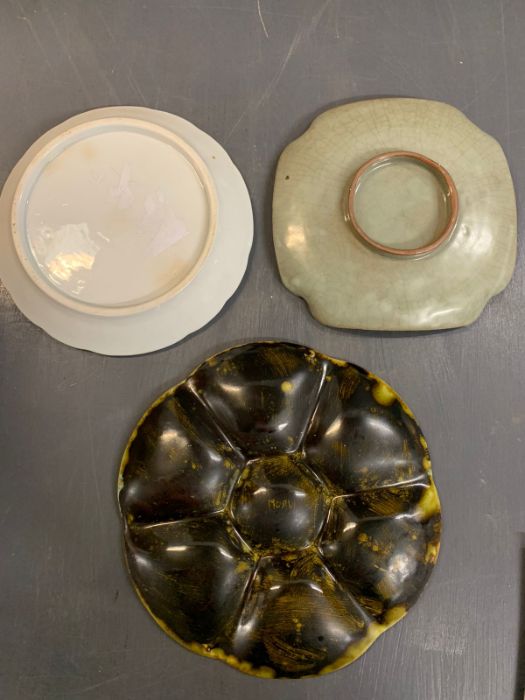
[279,510]
[348,285]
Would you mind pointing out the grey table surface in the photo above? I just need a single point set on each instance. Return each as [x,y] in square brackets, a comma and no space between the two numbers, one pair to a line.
[253,74]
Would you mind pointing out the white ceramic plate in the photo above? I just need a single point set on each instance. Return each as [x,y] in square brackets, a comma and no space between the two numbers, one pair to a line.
[124,229]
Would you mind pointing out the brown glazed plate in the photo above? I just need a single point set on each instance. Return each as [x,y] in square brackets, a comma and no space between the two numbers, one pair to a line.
[279,511]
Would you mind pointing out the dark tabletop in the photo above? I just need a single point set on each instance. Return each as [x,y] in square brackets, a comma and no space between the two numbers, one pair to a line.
[253,75]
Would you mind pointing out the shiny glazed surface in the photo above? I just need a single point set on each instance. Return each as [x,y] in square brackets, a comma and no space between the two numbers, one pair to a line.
[114,216]
[191,307]
[279,510]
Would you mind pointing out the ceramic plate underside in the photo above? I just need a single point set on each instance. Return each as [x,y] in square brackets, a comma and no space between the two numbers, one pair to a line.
[279,510]
[114,214]
[347,284]
[195,303]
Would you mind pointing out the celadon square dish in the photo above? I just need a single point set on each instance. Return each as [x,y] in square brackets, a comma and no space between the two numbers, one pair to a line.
[394,214]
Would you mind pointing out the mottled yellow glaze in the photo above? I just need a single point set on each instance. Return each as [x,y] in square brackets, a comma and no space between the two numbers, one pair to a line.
[374,631]
[301,532]
[215,653]
[429,505]
[383,394]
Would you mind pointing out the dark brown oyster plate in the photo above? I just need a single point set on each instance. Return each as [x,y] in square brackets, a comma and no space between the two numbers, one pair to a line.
[279,510]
